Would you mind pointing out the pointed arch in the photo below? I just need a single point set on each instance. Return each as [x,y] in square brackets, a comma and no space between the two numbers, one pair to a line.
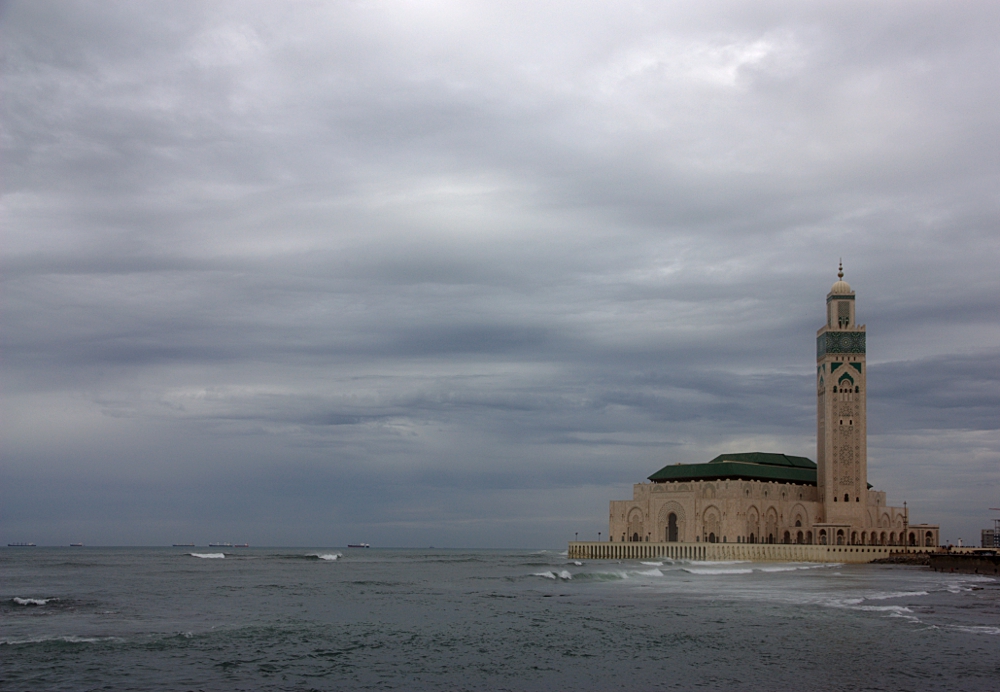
[667,529]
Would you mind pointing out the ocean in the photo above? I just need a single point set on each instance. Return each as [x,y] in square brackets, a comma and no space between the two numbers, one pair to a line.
[404,619]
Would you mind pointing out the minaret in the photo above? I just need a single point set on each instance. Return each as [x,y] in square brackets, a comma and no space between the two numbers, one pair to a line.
[842,436]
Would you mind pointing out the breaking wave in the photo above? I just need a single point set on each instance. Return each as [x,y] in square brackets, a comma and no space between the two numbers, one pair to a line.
[210,556]
[60,640]
[552,575]
[32,601]
[326,556]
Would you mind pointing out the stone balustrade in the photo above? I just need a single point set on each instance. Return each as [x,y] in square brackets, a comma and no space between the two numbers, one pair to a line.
[756,552]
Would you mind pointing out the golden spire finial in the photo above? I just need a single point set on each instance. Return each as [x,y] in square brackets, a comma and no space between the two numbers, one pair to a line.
[840,269]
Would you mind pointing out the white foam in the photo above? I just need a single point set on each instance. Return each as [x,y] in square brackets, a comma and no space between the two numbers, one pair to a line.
[546,575]
[565,575]
[884,609]
[894,594]
[211,556]
[328,556]
[68,639]
[652,564]
[577,563]
[650,572]
[977,629]
[789,567]
[32,601]
[695,570]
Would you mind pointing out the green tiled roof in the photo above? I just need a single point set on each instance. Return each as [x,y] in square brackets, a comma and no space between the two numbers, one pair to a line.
[751,466]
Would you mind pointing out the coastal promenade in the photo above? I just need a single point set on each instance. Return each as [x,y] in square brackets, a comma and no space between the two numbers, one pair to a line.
[756,552]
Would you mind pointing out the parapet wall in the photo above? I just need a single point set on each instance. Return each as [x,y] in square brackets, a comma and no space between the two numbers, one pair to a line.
[756,552]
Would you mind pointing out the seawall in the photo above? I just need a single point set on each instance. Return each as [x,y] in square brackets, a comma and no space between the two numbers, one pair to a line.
[756,552]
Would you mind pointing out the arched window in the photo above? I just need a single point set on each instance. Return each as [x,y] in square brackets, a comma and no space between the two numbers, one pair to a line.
[929,538]
[798,522]
[822,536]
[847,498]
[798,538]
[840,537]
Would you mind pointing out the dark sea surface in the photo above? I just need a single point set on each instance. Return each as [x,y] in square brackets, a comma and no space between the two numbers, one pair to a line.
[348,619]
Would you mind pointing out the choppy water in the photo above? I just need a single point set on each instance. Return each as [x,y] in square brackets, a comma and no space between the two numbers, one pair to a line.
[340,619]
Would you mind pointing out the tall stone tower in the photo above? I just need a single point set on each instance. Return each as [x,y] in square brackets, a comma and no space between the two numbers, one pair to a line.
[842,435]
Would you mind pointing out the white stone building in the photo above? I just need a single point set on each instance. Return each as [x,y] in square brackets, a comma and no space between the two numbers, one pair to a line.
[774,498]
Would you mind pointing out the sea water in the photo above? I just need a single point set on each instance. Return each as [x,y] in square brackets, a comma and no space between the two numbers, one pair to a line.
[343,619]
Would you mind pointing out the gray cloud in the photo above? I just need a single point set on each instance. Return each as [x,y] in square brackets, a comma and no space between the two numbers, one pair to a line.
[317,273]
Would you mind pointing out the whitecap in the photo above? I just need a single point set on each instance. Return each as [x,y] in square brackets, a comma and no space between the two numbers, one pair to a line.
[894,594]
[577,563]
[884,609]
[977,629]
[565,575]
[652,564]
[327,556]
[650,572]
[215,556]
[67,639]
[695,570]
[546,575]
[32,601]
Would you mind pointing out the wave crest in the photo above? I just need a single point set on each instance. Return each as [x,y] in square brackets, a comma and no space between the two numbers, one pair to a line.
[32,601]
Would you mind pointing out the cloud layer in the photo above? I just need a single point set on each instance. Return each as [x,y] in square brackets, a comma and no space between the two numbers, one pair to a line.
[459,273]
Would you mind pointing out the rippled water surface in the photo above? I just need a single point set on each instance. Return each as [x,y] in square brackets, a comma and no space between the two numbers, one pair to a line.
[344,619]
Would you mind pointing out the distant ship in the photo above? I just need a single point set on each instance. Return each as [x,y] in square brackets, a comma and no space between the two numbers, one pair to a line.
[183,545]
[358,545]
[20,545]
[242,545]
[76,545]
[220,545]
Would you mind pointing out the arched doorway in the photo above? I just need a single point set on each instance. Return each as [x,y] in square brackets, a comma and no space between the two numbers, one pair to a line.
[798,538]
[822,536]
[840,537]
[711,538]
[672,528]
[788,537]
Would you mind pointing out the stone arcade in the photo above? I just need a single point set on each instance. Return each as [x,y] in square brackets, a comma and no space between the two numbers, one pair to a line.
[805,510]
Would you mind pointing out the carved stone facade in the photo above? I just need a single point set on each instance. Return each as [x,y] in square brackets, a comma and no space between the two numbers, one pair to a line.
[773,498]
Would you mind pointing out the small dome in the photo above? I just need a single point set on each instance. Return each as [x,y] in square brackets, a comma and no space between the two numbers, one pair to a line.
[841,288]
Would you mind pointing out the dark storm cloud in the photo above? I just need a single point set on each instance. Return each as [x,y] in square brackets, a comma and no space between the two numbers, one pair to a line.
[311,272]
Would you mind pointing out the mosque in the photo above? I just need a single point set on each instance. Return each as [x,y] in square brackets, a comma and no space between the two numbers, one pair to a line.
[766,498]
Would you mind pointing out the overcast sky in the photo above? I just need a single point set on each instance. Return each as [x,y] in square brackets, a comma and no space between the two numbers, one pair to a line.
[458,274]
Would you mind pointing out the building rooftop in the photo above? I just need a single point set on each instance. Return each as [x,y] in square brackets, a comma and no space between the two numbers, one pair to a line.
[751,466]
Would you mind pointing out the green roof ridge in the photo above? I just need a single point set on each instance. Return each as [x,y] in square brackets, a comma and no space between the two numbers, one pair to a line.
[762,466]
